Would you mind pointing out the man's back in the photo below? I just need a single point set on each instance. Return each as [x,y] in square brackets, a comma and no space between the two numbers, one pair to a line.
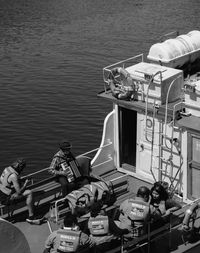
[134,214]
[68,240]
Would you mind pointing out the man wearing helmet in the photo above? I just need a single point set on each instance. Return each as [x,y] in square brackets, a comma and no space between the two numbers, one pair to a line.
[11,189]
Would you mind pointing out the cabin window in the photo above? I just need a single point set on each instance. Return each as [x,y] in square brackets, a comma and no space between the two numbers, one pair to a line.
[196,149]
[127,138]
[193,166]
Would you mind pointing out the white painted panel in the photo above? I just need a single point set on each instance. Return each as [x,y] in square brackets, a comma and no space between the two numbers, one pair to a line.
[144,151]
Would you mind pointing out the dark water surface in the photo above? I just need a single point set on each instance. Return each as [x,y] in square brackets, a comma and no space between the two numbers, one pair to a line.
[51,57]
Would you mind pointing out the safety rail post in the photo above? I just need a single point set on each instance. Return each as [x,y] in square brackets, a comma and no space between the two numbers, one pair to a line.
[170,230]
[152,143]
[122,244]
[149,237]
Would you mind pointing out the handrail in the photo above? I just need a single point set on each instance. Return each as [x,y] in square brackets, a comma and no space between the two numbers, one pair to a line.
[108,68]
[96,149]
[110,159]
[126,60]
[150,236]
[46,169]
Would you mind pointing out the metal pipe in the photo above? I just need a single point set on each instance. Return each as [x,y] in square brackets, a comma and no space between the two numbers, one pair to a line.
[166,107]
[146,105]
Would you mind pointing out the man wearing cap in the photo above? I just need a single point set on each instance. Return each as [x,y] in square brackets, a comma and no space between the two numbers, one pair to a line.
[11,189]
[65,167]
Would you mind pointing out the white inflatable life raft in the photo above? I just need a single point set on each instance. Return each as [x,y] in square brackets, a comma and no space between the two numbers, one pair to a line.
[177,51]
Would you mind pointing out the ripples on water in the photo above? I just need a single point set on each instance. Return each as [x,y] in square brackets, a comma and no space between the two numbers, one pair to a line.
[52,53]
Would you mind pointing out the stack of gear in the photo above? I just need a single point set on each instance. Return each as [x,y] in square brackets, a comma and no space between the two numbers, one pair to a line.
[81,200]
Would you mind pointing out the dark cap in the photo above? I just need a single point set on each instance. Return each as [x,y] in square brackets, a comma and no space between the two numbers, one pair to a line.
[65,145]
[70,220]
[20,163]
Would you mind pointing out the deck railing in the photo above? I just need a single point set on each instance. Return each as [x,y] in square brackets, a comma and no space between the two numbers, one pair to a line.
[156,234]
[107,71]
[36,173]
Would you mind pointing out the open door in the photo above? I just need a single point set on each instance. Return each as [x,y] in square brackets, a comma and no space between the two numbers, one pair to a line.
[127,138]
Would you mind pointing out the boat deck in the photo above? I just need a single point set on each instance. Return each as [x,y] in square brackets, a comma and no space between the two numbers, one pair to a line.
[37,234]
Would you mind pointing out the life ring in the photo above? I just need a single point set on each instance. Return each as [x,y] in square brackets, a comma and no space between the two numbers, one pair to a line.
[121,84]
[189,213]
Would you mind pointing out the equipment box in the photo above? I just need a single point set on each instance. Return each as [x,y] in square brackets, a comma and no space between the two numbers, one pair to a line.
[192,96]
[162,77]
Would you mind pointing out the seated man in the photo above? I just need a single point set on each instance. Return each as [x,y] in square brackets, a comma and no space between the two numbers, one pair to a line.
[11,189]
[69,238]
[102,228]
[67,169]
[135,213]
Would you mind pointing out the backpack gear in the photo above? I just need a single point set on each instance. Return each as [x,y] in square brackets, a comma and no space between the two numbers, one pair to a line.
[84,198]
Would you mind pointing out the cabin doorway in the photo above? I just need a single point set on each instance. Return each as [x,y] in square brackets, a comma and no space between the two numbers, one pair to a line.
[127,138]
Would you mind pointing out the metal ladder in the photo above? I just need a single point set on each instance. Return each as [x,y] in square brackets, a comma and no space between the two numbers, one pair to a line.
[166,165]
[173,142]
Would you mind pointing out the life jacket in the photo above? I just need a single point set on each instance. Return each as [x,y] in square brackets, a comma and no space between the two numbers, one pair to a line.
[6,186]
[138,214]
[68,240]
[70,166]
[98,225]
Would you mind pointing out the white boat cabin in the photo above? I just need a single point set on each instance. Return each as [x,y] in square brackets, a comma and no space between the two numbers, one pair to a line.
[153,133]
